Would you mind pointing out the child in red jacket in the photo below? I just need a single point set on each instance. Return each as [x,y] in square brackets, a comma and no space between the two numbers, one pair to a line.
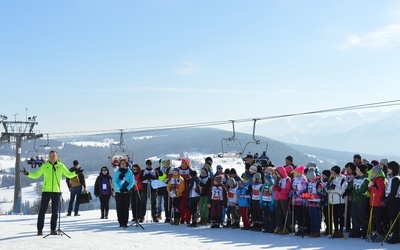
[377,193]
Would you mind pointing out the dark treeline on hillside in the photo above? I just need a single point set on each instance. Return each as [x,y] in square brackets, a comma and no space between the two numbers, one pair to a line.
[196,140]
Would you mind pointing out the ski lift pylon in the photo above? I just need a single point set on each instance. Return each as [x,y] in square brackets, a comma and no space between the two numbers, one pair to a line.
[230,143]
[255,141]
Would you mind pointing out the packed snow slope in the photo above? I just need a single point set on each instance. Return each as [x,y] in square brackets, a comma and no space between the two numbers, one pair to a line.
[89,232]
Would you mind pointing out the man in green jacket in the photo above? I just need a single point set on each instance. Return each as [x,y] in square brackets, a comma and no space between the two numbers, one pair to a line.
[52,172]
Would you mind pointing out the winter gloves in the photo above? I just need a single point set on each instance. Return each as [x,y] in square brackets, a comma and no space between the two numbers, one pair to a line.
[24,171]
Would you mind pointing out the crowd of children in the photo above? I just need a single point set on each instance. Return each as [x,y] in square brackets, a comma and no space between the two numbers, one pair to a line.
[362,199]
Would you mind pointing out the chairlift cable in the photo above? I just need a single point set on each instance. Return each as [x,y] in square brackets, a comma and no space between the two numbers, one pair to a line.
[215,123]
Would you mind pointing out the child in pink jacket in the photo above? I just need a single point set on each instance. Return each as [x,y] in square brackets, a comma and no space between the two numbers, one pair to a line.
[281,189]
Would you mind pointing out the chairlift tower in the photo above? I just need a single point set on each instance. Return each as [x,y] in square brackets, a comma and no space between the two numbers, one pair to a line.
[16,132]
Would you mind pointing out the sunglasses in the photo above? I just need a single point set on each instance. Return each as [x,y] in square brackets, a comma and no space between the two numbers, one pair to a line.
[135,169]
[104,170]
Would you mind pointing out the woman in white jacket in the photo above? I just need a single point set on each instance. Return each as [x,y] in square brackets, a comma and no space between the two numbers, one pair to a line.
[336,187]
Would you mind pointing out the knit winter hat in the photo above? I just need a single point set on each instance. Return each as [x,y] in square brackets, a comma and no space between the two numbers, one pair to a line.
[253,169]
[218,179]
[231,182]
[249,156]
[264,163]
[232,171]
[289,169]
[377,169]
[362,168]
[311,173]
[205,169]
[268,177]
[299,170]
[336,169]
[311,164]
[76,163]
[289,158]
[257,176]
[327,173]
[193,173]
[269,170]
[219,167]
[351,165]
[208,160]
[186,161]
[375,162]
[384,161]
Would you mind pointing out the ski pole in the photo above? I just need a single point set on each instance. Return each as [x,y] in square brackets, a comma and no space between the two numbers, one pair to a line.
[293,226]
[286,217]
[345,212]
[148,200]
[332,219]
[369,229]
[304,218]
[172,216]
[329,218]
[391,227]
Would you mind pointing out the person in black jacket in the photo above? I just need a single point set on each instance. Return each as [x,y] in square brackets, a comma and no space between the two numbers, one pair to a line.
[147,175]
[205,185]
[392,200]
[75,186]
[103,189]
[193,197]
[162,194]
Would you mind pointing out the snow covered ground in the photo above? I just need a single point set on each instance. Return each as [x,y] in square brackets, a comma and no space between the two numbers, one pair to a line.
[90,232]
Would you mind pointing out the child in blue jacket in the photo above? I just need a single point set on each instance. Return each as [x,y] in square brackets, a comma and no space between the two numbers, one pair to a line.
[244,203]
[267,204]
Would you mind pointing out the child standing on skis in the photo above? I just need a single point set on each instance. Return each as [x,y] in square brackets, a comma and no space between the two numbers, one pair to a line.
[377,193]
[299,186]
[315,190]
[281,195]
[336,187]
[256,213]
[193,197]
[205,184]
[217,201]
[175,188]
[243,202]
[267,204]
[233,218]
[325,176]
[358,186]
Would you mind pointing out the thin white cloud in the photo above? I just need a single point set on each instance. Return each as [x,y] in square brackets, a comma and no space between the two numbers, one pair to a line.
[172,90]
[384,37]
[388,36]
[189,68]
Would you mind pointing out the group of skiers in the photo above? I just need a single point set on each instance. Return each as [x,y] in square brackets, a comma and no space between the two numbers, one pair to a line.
[361,198]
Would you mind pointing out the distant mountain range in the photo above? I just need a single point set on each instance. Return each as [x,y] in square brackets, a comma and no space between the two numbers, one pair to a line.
[369,132]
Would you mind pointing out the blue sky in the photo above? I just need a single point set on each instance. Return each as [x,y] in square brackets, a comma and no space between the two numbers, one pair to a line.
[105,65]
